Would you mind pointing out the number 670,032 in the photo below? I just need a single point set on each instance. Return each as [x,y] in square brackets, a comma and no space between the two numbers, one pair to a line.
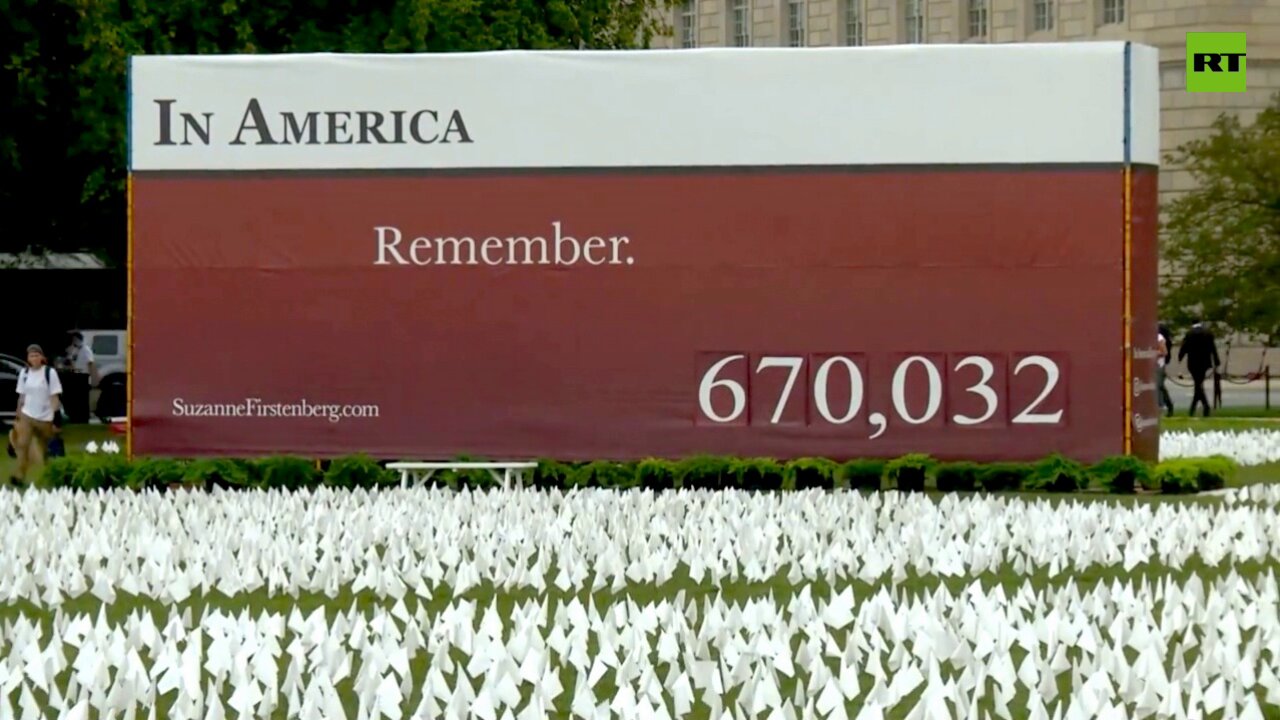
[925,390]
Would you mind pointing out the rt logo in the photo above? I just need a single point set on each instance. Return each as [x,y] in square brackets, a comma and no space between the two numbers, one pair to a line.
[1215,62]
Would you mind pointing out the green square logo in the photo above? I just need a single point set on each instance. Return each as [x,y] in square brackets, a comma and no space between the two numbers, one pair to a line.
[1215,62]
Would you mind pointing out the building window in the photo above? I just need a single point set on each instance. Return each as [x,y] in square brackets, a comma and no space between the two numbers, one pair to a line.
[853,28]
[741,18]
[1042,15]
[689,24]
[977,18]
[1112,12]
[795,22]
[915,20]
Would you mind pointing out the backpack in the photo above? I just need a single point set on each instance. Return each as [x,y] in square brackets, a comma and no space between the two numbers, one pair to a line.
[47,370]
[22,378]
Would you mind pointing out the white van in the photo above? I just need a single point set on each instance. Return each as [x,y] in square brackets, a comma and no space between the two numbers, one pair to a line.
[110,352]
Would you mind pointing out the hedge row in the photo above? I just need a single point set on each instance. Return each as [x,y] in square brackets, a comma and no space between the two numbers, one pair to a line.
[908,473]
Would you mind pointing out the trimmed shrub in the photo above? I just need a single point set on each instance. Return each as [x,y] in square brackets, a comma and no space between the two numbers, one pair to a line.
[551,474]
[1057,474]
[1121,474]
[1214,472]
[1189,475]
[472,478]
[211,473]
[1002,477]
[60,472]
[909,473]
[758,474]
[656,474]
[705,472]
[100,472]
[288,473]
[604,474]
[1176,477]
[863,474]
[958,476]
[156,473]
[358,471]
[811,474]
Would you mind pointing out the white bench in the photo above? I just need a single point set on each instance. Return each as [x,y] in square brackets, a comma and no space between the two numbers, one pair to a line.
[421,472]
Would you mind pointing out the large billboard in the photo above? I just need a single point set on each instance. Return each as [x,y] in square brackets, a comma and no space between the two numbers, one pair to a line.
[833,252]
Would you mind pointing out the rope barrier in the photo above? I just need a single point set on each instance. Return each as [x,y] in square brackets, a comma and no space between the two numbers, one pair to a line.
[1258,374]
[1251,377]
[1190,382]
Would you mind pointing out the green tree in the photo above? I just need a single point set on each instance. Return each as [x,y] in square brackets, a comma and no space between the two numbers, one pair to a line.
[63,66]
[40,187]
[1223,238]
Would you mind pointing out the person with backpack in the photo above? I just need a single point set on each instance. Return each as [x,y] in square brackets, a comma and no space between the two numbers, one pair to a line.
[39,403]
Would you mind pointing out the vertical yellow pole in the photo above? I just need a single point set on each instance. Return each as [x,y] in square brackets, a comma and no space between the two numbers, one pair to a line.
[128,328]
[1128,310]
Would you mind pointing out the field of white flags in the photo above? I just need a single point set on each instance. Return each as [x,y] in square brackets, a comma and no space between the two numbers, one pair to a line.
[427,603]
[1247,447]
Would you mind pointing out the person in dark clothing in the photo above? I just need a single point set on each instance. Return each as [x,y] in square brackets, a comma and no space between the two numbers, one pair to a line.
[1201,353]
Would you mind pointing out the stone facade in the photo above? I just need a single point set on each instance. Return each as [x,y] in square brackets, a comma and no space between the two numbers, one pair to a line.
[1161,23]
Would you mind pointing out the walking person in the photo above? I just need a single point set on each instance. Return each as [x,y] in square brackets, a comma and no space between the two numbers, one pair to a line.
[81,375]
[39,402]
[1201,353]
[1163,355]
[80,357]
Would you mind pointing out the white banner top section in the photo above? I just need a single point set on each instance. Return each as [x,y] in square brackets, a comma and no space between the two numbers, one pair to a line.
[1092,102]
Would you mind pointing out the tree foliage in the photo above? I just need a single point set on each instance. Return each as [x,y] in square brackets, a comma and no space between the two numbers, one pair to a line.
[63,78]
[1223,238]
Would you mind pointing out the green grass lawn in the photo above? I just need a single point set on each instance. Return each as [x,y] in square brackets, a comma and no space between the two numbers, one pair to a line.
[75,437]
[1225,419]
[1245,411]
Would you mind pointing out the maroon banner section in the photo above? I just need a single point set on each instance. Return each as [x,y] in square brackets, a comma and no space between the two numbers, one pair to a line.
[1144,289]
[960,312]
